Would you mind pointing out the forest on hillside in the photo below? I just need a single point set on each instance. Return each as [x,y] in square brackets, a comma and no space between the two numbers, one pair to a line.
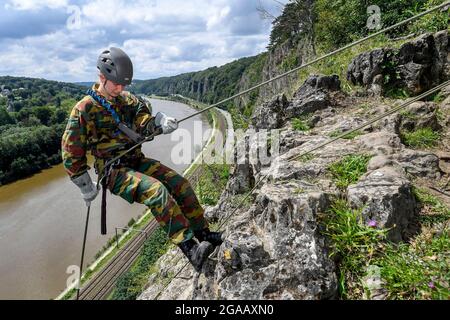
[328,25]
[33,115]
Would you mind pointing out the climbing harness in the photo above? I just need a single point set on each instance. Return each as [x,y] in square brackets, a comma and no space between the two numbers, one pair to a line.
[104,176]
[121,127]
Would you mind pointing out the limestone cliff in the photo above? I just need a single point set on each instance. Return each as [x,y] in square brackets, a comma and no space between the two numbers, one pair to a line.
[275,247]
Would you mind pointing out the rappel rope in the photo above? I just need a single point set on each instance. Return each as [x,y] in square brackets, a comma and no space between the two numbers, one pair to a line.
[82,251]
[158,130]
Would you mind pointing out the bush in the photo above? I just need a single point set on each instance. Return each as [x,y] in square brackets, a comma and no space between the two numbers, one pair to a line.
[21,167]
[131,222]
[343,21]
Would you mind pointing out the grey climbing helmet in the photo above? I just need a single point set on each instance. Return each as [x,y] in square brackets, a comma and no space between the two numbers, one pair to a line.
[116,66]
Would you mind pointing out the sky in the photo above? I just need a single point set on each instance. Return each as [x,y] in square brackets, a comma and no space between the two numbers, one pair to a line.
[61,39]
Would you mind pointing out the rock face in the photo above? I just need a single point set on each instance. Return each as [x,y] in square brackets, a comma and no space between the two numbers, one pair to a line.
[315,94]
[282,254]
[270,115]
[416,67]
[386,197]
[367,69]
[420,115]
[275,247]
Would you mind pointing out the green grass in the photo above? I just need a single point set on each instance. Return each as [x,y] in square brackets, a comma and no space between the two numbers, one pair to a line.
[299,125]
[440,114]
[306,158]
[349,169]
[353,244]
[131,284]
[417,271]
[434,210]
[436,97]
[211,183]
[420,138]
[240,121]
[408,114]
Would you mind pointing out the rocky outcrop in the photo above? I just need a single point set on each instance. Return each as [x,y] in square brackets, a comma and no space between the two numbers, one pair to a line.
[275,247]
[367,69]
[316,93]
[386,198]
[270,115]
[415,67]
[420,115]
[282,253]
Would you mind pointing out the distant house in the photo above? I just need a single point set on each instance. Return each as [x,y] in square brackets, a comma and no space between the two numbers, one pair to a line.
[4,92]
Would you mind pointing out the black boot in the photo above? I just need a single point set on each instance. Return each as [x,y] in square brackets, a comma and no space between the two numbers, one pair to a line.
[215,238]
[196,253]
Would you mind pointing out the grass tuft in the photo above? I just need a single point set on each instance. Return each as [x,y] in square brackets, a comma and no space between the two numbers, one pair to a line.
[299,125]
[349,169]
[420,138]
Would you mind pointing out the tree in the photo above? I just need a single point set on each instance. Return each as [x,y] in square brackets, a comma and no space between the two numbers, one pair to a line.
[59,116]
[43,114]
[31,121]
[3,101]
[264,13]
[298,18]
[5,118]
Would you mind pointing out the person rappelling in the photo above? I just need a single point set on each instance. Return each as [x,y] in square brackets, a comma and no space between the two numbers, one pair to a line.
[109,121]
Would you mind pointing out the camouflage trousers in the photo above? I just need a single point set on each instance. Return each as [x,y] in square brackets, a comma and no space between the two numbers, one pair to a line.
[166,193]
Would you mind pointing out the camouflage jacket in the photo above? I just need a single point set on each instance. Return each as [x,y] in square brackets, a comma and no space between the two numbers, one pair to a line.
[92,127]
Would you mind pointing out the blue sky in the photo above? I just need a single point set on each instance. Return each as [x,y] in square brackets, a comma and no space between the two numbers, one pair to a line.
[61,39]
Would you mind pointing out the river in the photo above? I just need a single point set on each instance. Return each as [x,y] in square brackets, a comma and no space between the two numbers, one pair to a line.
[42,219]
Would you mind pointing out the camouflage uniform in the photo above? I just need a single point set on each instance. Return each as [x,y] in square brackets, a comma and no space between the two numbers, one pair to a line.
[136,179]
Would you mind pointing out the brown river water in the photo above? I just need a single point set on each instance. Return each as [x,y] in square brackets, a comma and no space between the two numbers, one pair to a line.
[42,219]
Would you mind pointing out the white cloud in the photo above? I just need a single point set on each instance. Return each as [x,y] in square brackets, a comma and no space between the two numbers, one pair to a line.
[35,4]
[217,18]
[162,37]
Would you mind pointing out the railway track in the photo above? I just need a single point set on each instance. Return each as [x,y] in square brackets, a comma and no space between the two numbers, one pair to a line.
[101,285]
